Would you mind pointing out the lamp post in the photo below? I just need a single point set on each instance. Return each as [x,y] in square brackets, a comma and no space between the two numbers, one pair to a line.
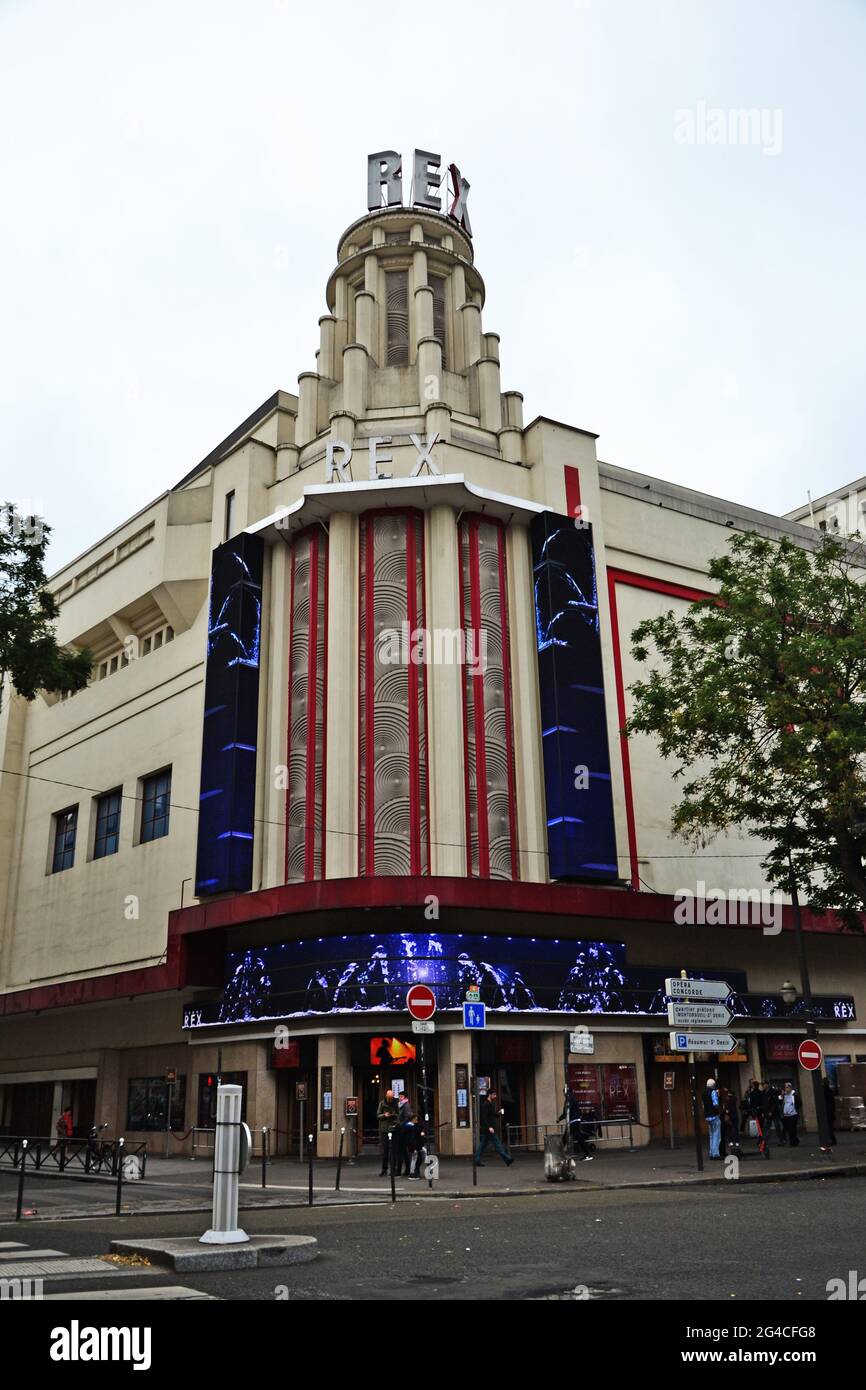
[790,994]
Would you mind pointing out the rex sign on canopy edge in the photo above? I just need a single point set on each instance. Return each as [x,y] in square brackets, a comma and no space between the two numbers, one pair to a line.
[421,1002]
[810,1055]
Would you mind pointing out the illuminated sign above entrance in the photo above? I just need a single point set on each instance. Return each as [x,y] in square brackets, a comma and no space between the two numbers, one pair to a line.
[385,184]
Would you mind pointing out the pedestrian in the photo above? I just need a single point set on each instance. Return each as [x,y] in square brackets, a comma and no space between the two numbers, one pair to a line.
[790,1114]
[574,1131]
[487,1131]
[774,1101]
[746,1109]
[400,1137]
[730,1122]
[760,1103]
[712,1115]
[386,1116]
[830,1106]
[63,1130]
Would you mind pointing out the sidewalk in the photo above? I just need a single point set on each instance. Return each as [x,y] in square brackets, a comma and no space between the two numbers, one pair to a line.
[179,1184]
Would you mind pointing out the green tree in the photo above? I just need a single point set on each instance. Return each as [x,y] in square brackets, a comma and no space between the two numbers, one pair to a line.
[29,653]
[758,697]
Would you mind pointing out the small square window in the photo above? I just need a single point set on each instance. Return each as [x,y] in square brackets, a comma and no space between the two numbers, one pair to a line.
[107,825]
[103,670]
[145,646]
[112,665]
[169,634]
[65,826]
[157,639]
[155,802]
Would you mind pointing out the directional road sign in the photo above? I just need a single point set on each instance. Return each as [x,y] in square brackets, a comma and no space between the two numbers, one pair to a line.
[702,1042]
[697,989]
[474,1016]
[689,1015]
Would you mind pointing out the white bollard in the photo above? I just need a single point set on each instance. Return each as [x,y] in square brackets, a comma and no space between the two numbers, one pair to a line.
[231,1154]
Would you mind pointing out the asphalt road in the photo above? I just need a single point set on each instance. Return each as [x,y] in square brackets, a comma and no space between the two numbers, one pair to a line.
[767,1243]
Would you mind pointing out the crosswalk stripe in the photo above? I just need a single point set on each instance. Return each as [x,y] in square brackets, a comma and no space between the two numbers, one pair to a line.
[30,1254]
[176,1292]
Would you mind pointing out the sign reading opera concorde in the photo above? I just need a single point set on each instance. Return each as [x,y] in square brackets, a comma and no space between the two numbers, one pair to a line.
[512,974]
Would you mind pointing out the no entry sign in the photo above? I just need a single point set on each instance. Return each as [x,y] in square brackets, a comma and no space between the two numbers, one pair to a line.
[809,1055]
[421,1002]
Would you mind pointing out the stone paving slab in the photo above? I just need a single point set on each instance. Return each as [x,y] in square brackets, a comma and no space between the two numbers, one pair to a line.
[187,1254]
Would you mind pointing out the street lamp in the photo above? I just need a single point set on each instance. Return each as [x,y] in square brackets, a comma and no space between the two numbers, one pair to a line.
[790,994]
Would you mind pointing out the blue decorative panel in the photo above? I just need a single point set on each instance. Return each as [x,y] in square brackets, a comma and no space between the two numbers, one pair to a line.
[231,704]
[580,829]
[539,975]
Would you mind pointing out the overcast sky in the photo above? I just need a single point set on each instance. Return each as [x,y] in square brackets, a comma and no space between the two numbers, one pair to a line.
[175,177]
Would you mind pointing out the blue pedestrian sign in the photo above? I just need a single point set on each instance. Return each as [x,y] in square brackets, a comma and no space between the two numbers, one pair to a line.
[474,1016]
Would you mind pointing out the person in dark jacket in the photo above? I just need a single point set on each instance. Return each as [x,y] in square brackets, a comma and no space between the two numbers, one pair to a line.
[386,1117]
[572,1110]
[487,1118]
[830,1105]
[760,1104]
[774,1108]
[730,1123]
[401,1136]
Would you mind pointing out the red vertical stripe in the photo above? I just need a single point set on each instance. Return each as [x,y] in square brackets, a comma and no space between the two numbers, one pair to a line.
[369,733]
[289,729]
[572,490]
[312,662]
[412,697]
[323,852]
[429,868]
[478,708]
[509,730]
[463,544]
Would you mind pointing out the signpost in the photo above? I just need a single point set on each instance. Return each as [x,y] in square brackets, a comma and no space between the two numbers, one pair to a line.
[810,1055]
[691,1006]
[689,1015]
[697,989]
[419,1026]
[702,1042]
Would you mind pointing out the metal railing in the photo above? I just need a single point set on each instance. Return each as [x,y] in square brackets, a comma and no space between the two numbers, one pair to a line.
[589,1130]
[94,1158]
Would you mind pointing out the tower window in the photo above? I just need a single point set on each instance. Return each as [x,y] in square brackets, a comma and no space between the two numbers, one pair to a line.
[397,303]
[437,285]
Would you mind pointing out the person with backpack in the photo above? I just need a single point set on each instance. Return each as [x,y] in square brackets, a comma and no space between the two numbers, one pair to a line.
[713,1116]
[760,1103]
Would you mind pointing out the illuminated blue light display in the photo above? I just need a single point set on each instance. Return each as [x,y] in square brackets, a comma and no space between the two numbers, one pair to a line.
[228,756]
[372,972]
[581,841]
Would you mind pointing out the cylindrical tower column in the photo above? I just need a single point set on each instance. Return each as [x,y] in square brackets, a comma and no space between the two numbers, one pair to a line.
[512,407]
[429,370]
[355,378]
[327,338]
[471,316]
[511,444]
[308,408]
[365,321]
[445,691]
[488,393]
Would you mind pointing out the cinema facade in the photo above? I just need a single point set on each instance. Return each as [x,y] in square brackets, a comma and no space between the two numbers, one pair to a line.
[354,723]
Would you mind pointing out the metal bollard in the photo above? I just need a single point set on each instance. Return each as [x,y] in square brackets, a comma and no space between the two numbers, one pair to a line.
[340,1158]
[119,1196]
[310,1141]
[264,1155]
[24,1143]
[391,1166]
